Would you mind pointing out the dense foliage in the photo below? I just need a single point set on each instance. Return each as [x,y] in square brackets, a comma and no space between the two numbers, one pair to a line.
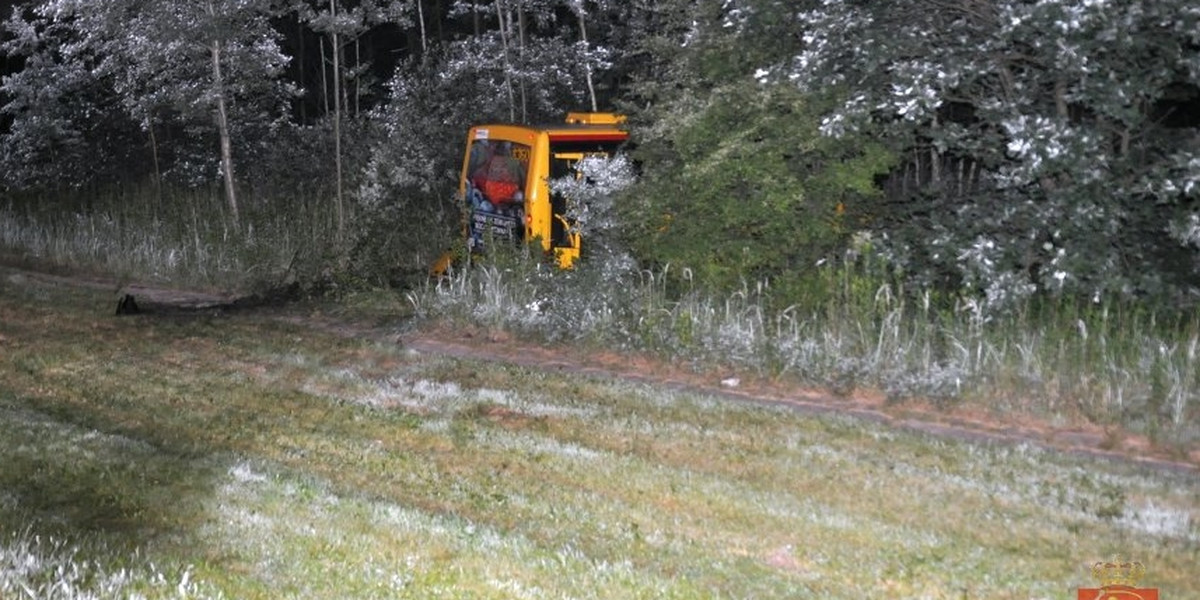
[994,149]
[739,183]
[1053,144]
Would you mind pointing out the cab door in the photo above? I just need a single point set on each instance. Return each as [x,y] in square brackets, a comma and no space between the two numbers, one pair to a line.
[564,235]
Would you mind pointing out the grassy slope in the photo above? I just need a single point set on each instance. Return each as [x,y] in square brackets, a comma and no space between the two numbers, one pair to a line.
[269,460]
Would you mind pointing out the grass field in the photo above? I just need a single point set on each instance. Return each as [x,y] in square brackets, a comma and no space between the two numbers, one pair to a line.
[238,456]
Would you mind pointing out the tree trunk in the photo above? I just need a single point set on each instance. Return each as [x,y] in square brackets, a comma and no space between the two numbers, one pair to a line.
[1060,100]
[521,55]
[935,167]
[421,20]
[157,167]
[475,18]
[324,79]
[508,84]
[223,131]
[587,64]
[357,76]
[440,28]
[935,161]
[962,174]
[337,127]
[301,76]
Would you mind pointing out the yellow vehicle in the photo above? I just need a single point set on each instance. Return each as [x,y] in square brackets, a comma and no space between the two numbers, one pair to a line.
[505,178]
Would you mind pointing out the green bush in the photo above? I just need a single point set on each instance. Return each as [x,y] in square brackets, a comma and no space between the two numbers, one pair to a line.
[747,190]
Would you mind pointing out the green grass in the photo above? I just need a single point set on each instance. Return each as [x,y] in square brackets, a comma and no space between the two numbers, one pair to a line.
[1066,363]
[247,457]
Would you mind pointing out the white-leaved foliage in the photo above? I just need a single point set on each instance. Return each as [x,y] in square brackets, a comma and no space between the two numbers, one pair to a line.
[54,135]
[591,199]
[1049,123]
[591,193]
[147,66]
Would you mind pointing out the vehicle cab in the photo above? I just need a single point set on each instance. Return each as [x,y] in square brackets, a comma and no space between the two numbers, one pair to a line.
[505,177]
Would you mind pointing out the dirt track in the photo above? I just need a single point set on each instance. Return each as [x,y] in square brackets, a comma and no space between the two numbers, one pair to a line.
[961,424]
[1094,442]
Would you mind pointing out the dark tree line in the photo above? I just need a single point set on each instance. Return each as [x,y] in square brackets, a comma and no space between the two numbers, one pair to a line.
[1002,148]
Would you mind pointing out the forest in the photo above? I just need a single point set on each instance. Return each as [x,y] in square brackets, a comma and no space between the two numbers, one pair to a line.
[995,150]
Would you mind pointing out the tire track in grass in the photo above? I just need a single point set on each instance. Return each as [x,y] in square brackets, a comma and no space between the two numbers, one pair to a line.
[1073,442]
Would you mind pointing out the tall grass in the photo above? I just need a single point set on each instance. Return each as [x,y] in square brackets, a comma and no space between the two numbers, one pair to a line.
[1068,362]
[849,329]
[183,237]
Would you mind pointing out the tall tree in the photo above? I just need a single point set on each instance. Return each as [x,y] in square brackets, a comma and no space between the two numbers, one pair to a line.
[215,62]
[580,10]
[219,100]
[343,26]
[54,134]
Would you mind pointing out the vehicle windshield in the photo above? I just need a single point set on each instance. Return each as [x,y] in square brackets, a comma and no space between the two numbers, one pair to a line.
[495,190]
